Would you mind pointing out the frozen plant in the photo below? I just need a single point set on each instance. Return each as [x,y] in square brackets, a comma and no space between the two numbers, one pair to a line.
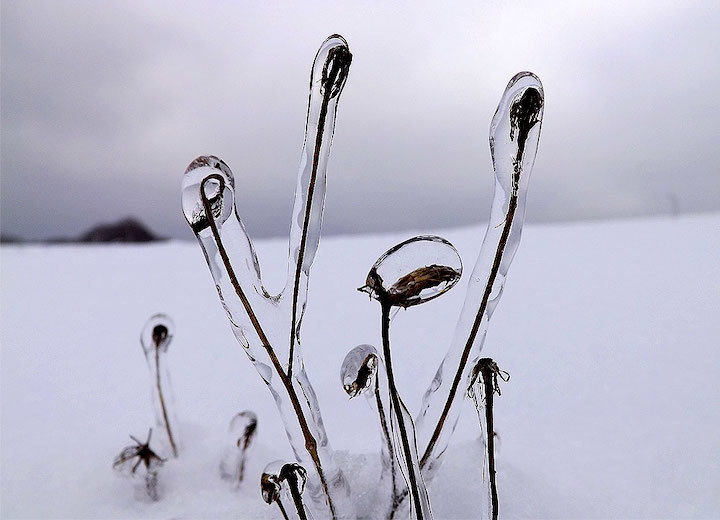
[268,327]
[482,389]
[141,455]
[412,272]
[514,136]
[363,372]
[416,271]
[241,433]
[155,340]
[283,483]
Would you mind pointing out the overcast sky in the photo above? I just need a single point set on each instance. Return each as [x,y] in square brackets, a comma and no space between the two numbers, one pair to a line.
[104,104]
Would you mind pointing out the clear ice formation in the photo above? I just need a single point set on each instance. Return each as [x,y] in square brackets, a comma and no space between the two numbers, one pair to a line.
[363,372]
[155,340]
[410,273]
[241,433]
[514,135]
[268,327]
[414,271]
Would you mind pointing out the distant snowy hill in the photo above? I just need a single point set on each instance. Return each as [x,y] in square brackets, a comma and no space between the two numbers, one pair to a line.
[609,331]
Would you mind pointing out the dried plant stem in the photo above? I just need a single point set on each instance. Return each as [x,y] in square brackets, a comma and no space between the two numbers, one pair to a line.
[282,508]
[173,446]
[396,501]
[488,375]
[512,206]
[332,76]
[396,404]
[310,442]
[297,498]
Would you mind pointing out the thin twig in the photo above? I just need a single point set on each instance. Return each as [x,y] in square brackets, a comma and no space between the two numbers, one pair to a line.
[162,402]
[395,400]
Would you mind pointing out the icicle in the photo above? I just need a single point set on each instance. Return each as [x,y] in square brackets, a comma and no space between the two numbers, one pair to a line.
[155,340]
[514,135]
[268,327]
[241,434]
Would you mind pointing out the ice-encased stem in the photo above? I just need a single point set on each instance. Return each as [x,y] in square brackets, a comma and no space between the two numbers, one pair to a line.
[484,381]
[363,372]
[155,340]
[267,326]
[514,135]
[404,431]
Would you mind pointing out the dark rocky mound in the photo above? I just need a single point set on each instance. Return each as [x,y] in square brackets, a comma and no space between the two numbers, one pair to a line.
[126,230]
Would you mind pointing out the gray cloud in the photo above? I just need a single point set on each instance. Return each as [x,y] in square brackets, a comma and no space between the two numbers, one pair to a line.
[104,104]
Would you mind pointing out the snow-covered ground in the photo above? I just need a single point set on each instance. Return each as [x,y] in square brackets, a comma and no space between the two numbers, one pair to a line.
[610,331]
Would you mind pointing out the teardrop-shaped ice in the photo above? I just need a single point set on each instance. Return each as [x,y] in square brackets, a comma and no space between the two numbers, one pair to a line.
[218,181]
[241,433]
[270,481]
[515,130]
[414,271]
[157,333]
[359,369]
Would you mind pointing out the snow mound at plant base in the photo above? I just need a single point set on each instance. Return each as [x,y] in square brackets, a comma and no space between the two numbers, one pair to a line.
[609,330]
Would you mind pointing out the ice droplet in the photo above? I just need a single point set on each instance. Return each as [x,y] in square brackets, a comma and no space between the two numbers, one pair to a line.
[157,334]
[359,369]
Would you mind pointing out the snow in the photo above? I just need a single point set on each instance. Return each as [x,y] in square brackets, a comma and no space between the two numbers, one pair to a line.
[609,330]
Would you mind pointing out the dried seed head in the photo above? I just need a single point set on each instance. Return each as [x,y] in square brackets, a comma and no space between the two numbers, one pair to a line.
[359,370]
[157,334]
[336,59]
[270,485]
[244,426]
[414,271]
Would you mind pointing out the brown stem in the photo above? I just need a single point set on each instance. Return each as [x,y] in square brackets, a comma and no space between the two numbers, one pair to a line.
[308,207]
[297,498]
[162,402]
[512,205]
[489,390]
[310,442]
[391,453]
[282,509]
[395,400]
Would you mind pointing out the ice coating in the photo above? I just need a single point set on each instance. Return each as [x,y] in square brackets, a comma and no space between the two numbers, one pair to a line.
[155,339]
[241,433]
[514,136]
[358,372]
[157,333]
[363,372]
[414,271]
[327,79]
[481,389]
[268,327]
[403,431]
